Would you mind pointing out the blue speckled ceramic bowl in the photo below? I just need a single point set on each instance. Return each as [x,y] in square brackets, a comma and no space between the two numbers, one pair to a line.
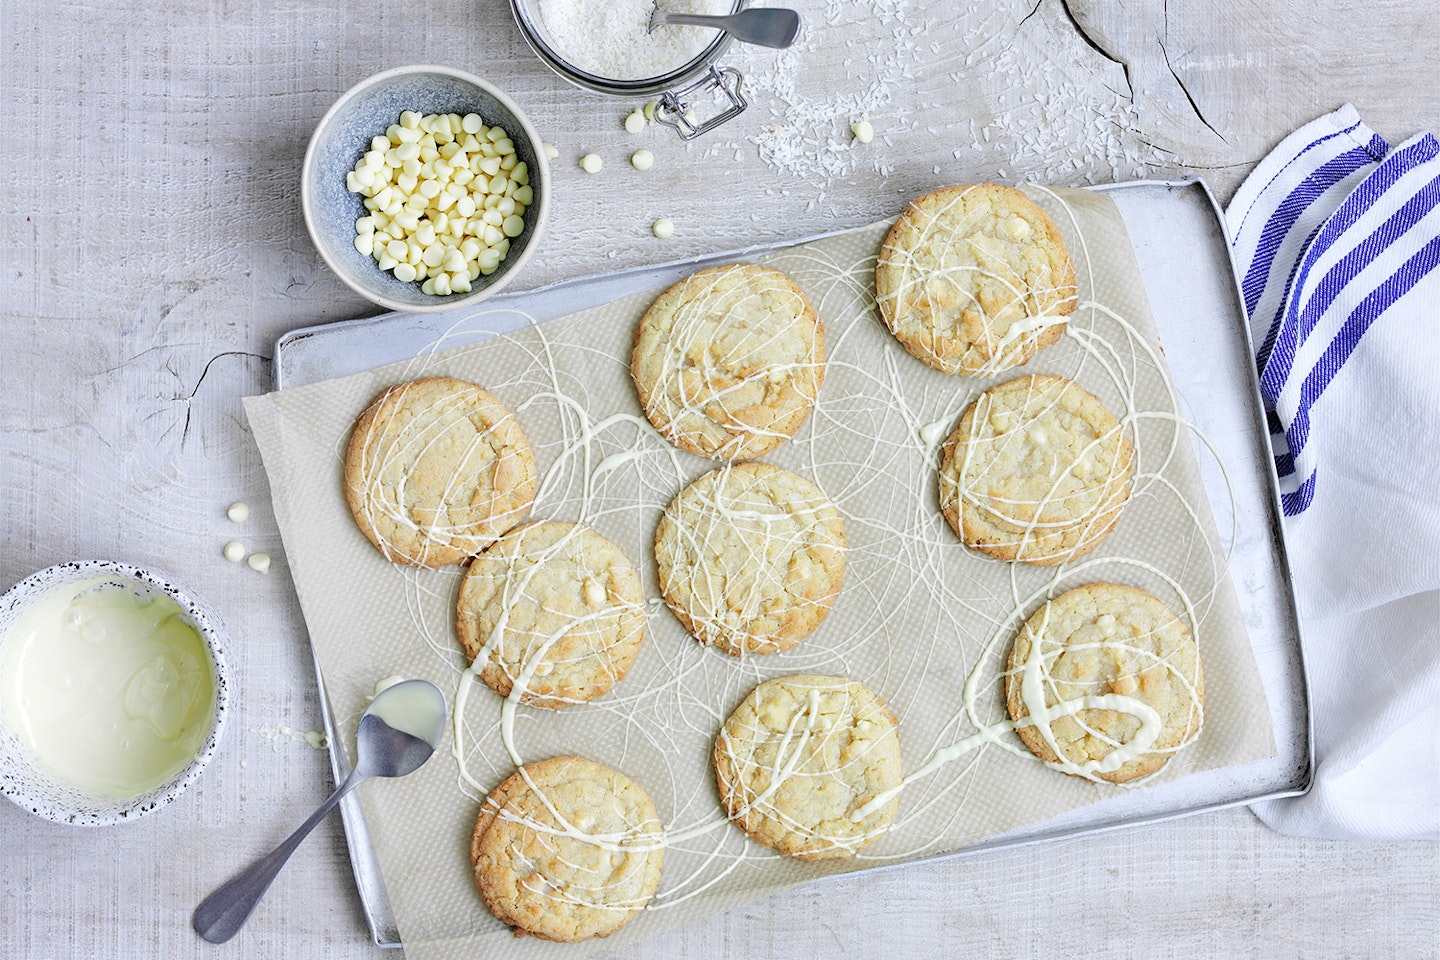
[343,136]
[31,788]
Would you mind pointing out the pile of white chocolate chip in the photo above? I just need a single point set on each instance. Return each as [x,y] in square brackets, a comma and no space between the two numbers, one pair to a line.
[446,194]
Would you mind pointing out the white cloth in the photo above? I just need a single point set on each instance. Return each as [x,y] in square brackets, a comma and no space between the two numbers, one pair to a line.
[1337,241]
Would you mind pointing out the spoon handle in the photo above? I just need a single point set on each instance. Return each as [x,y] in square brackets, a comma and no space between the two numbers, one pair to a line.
[221,915]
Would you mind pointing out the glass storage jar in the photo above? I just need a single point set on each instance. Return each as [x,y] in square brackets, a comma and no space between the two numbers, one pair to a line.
[675,91]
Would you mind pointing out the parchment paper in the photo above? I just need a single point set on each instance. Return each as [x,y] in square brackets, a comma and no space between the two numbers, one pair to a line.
[915,616]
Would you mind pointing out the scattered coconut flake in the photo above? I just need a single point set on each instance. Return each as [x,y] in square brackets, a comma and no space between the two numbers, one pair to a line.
[1044,121]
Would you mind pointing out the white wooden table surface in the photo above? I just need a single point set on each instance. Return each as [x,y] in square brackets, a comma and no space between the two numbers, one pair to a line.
[151,251]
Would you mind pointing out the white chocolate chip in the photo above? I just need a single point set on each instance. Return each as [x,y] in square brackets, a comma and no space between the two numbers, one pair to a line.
[1018,228]
[551,151]
[1106,623]
[635,122]
[642,159]
[234,551]
[774,715]
[239,511]
[664,228]
[591,163]
[424,182]
[259,562]
[863,131]
[594,594]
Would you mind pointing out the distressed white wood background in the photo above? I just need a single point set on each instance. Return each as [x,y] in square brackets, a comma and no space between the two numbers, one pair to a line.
[151,250]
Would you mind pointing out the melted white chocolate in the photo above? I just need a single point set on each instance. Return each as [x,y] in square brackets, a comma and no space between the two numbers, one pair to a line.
[110,690]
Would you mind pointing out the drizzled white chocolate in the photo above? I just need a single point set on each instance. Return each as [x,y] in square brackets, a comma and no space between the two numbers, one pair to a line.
[919,616]
[1104,682]
[975,279]
[750,558]
[1037,471]
[436,470]
[547,580]
[729,361]
[800,759]
[565,849]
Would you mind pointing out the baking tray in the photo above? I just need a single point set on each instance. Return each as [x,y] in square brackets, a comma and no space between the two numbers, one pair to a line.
[1178,233]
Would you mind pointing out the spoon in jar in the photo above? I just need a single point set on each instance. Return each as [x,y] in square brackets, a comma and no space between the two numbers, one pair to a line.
[764,26]
[398,732]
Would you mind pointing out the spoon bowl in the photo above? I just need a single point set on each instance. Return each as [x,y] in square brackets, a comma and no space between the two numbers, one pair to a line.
[774,27]
[397,733]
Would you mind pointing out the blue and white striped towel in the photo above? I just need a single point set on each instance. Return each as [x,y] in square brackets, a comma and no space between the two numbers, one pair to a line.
[1337,240]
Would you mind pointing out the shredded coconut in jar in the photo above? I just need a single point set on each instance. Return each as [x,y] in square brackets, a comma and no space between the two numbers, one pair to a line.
[609,39]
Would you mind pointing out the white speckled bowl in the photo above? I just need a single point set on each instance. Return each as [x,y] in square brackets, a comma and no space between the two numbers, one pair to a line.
[343,136]
[34,790]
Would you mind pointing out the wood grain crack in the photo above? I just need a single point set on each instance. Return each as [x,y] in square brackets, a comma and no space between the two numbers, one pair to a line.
[1094,44]
[185,429]
[1033,10]
[1174,73]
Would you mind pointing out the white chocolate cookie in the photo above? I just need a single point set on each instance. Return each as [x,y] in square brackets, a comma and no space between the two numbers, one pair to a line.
[1037,471]
[750,557]
[800,757]
[1104,682]
[567,849]
[555,606]
[436,470]
[975,279]
[729,361]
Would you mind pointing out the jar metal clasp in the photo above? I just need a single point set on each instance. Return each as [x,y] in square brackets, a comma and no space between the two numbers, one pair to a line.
[673,107]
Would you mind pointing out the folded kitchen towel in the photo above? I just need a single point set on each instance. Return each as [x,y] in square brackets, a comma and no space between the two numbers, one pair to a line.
[1337,240]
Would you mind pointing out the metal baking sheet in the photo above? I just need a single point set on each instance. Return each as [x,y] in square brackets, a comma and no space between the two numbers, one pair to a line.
[1179,238]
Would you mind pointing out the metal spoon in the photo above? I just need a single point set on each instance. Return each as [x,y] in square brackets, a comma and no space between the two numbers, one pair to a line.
[765,26]
[398,732]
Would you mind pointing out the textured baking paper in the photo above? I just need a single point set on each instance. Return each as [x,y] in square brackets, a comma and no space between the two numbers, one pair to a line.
[914,617]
